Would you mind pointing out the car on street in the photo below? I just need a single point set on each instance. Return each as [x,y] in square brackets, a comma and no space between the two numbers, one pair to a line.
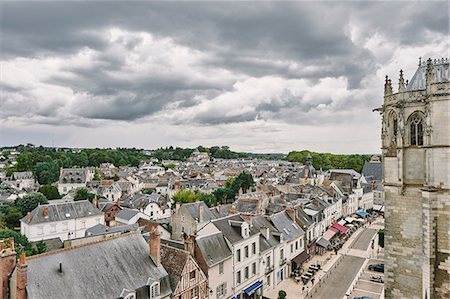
[378,279]
[377,267]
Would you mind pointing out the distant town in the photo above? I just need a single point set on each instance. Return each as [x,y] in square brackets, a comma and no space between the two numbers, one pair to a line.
[215,223]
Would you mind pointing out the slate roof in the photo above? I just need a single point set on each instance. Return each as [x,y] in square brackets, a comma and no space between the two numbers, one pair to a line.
[285,225]
[260,222]
[101,229]
[72,175]
[62,211]
[98,270]
[441,73]
[231,233]
[214,248]
[372,171]
[127,214]
[143,200]
[194,210]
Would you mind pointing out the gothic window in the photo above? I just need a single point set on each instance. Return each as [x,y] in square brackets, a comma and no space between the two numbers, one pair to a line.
[416,130]
[395,126]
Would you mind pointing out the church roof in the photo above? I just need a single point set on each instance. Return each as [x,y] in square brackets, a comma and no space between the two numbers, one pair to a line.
[441,73]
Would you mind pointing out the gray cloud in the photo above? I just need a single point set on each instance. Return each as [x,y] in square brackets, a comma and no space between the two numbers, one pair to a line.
[200,63]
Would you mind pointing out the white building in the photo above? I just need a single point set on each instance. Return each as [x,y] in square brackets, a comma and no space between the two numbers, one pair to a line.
[66,221]
[73,178]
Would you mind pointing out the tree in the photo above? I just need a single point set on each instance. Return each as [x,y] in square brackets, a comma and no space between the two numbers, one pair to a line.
[148,191]
[281,294]
[41,247]
[185,196]
[50,191]
[30,201]
[12,217]
[83,194]
[21,242]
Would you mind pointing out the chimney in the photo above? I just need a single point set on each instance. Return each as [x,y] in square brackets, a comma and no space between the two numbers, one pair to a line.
[265,232]
[21,277]
[232,209]
[45,212]
[292,213]
[7,265]
[155,247]
[201,213]
[189,244]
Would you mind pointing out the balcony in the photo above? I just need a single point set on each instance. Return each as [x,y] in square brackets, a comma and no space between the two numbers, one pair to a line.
[268,269]
[282,261]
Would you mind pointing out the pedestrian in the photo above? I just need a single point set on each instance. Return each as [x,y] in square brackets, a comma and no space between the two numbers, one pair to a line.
[312,280]
[303,290]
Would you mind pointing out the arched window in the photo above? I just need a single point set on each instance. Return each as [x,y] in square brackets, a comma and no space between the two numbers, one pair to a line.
[416,130]
[395,126]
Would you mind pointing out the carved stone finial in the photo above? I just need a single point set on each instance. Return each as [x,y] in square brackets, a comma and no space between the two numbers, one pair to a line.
[401,82]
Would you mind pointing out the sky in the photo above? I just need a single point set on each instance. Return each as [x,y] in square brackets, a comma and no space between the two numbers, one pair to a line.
[265,77]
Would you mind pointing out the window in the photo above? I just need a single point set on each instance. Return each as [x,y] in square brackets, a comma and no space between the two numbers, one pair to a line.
[254,268]
[221,268]
[281,254]
[296,245]
[194,292]
[154,290]
[192,275]
[268,280]
[292,248]
[238,277]
[238,253]
[268,261]
[246,273]
[416,130]
[222,290]
[254,248]
[246,251]
[394,127]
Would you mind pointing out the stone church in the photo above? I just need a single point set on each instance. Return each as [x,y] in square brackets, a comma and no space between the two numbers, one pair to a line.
[416,171]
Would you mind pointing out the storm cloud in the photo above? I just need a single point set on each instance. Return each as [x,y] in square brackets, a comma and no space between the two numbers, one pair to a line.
[210,69]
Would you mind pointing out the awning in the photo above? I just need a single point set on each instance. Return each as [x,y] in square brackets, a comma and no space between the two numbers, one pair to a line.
[301,258]
[340,227]
[328,235]
[379,208]
[350,219]
[251,289]
[334,229]
[323,243]
[342,222]
[361,213]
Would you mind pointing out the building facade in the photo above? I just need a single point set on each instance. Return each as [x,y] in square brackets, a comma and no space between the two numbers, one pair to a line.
[416,172]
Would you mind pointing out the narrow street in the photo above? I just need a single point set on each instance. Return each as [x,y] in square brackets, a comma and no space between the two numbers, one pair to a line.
[342,275]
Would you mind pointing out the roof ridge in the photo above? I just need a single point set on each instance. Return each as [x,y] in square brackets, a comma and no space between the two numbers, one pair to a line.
[81,245]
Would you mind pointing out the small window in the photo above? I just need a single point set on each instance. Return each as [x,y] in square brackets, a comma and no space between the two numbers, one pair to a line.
[246,251]
[238,253]
[416,130]
[154,290]
[238,277]
[246,273]
[192,275]
[254,248]
[292,248]
[254,268]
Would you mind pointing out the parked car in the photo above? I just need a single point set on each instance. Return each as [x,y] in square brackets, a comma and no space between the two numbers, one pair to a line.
[377,267]
[378,279]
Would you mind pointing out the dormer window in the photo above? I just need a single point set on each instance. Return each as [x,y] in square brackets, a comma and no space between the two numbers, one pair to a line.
[155,290]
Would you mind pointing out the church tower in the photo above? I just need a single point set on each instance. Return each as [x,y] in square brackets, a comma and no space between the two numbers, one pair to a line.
[416,171]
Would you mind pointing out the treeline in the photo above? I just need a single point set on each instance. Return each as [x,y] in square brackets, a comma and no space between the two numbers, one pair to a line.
[45,162]
[218,152]
[328,161]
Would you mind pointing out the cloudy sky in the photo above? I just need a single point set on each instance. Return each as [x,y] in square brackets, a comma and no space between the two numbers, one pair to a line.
[257,76]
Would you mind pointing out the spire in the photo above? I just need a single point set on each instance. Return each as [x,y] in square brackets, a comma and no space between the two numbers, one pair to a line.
[387,86]
[401,82]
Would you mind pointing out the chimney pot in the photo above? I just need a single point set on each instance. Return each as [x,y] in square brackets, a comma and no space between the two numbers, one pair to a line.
[45,212]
